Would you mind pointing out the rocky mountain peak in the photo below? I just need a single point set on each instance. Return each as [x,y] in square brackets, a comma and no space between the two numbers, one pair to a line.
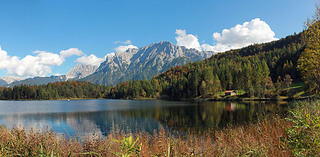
[81,71]
[10,79]
[144,63]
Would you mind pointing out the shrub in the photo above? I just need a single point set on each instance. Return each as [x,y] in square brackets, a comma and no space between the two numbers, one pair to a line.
[128,147]
[303,138]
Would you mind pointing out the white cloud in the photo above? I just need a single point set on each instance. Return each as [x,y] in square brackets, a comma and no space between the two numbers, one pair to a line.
[207,47]
[47,58]
[31,66]
[71,52]
[28,66]
[125,48]
[187,40]
[123,42]
[5,60]
[253,32]
[90,60]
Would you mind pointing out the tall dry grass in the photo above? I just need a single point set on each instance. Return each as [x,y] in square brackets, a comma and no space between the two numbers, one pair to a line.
[296,135]
[260,139]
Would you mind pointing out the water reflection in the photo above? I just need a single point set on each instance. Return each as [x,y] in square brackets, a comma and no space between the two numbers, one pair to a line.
[104,116]
[208,115]
[81,123]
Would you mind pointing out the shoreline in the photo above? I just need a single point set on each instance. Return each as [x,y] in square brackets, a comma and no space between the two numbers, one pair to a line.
[181,99]
[261,99]
[222,98]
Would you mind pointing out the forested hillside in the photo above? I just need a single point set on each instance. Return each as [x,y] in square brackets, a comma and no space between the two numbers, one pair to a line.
[253,69]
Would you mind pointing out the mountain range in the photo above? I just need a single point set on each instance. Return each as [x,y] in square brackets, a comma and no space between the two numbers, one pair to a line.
[39,80]
[143,63]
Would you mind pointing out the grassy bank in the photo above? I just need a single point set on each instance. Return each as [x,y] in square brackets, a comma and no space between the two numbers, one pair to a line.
[297,135]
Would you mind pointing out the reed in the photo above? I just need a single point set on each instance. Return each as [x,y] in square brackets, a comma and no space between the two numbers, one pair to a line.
[262,138]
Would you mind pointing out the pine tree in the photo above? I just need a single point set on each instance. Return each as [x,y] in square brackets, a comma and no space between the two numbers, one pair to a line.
[216,84]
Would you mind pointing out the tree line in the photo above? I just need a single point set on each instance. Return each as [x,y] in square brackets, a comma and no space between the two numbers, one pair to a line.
[56,90]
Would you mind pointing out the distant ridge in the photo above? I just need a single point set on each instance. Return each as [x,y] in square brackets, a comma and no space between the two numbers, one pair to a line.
[39,80]
[4,81]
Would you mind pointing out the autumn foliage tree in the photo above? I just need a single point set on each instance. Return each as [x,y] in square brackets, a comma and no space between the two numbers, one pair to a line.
[309,61]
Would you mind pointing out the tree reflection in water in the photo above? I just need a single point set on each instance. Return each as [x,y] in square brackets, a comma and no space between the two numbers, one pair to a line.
[104,116]
[208,115]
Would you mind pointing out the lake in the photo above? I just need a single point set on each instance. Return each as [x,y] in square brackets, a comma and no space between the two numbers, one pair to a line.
[102,116]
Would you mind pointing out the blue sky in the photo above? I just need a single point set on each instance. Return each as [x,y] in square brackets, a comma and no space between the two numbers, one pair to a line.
[35,30]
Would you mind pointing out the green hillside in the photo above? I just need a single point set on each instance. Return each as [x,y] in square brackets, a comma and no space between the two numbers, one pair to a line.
[253,69]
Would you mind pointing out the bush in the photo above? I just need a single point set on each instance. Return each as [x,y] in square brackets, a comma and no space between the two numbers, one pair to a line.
[128,147]
[303,138]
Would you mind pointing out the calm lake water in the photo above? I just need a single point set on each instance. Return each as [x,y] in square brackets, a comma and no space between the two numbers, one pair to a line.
[84,117]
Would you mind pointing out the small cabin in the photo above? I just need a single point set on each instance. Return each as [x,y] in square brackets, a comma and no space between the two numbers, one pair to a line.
[230,92]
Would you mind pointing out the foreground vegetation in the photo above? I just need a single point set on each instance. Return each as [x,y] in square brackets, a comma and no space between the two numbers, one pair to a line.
[296,135]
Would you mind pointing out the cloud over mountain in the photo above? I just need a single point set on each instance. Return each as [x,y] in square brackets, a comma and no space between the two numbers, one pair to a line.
[48,58]
[90,60]
[34,65]
[71,52]
[29,66]
[187,40]
[5,60]
[253,32]
[124,48]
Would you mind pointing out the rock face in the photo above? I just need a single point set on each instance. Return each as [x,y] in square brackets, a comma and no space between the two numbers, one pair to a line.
[4,81]
[81,71]
[144,63]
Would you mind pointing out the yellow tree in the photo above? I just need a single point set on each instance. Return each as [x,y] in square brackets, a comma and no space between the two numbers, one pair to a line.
[309,61]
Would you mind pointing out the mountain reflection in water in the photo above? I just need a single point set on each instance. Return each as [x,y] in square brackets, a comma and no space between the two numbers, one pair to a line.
[84,117]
